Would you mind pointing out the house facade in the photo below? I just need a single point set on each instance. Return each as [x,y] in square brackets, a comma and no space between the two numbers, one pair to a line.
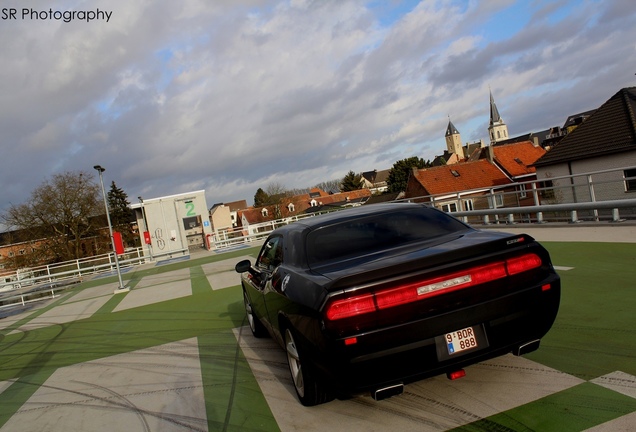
[254,220]
[604,141]
[375,181]
[460,187]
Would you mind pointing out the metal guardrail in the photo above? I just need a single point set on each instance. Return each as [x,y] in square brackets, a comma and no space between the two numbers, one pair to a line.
[58,277]
[573,209]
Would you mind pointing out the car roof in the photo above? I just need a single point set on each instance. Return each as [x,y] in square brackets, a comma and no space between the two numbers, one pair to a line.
[349,213]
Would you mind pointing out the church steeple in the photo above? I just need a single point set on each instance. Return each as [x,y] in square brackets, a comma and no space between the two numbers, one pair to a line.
[453,140]
[497,129]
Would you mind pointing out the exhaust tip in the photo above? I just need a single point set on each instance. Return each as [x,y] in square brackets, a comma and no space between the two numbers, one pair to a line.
[527,347]
[387,392]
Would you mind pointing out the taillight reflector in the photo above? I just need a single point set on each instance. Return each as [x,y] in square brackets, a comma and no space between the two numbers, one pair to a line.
[456,374]
[408,293]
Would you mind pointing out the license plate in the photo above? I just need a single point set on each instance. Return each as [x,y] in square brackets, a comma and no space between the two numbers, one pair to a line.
[461,340]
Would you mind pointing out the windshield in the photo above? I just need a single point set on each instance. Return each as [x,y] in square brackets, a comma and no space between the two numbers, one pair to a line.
[373,233]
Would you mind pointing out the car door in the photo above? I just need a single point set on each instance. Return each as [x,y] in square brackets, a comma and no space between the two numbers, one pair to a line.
[268,261]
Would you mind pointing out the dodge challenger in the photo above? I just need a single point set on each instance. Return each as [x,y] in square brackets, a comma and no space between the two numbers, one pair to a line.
[371,298]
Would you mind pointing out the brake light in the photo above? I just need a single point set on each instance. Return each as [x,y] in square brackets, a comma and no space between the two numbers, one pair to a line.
[416,291]
[522,264]
[351,306]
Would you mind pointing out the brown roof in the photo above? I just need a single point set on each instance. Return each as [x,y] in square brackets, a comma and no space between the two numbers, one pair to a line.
[516,158]
[237,205]
[459,177]
[610,129]
[301,203]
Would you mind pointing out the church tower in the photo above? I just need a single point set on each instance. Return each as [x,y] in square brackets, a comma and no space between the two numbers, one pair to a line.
[497,129]
[454,140]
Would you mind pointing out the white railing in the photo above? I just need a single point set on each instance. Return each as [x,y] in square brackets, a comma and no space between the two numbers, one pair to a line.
[35,279]
[589,196]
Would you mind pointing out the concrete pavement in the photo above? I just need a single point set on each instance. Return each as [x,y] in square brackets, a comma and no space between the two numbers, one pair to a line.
[228,380]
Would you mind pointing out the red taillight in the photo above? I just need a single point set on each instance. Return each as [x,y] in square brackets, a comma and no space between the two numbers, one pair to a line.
[522,263]
[351,306]
[415,291]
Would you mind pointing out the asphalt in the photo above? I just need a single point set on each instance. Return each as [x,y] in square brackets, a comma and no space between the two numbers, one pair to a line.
[161,387]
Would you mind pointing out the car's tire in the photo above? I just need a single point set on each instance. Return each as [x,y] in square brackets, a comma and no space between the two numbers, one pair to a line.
[310,389]
[256,326]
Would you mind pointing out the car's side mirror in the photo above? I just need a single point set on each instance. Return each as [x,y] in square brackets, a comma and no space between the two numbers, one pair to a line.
[243,266]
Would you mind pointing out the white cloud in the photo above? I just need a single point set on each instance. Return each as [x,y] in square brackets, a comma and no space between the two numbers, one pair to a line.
[228,96]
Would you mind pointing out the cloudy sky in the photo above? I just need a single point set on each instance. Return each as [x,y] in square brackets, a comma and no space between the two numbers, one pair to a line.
[233,95]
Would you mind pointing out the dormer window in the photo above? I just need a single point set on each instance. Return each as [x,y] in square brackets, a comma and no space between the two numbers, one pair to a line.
[291,207]
[313,203]
[264,212]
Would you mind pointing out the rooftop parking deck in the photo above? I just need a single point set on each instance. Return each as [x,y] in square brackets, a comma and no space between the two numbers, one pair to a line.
[174,354]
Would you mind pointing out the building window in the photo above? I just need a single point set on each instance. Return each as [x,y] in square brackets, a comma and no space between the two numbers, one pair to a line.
[630,180]
[546,189]
[496,201]
[468,205]
[264,212]
[449,207]
[522,191]
[291,207]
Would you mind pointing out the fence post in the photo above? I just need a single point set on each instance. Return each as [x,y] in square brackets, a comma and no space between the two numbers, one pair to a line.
[590,186]
[573,217]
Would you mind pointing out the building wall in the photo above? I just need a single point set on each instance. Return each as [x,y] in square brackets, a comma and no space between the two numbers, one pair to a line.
[176,223]
[607,186]
[221,218]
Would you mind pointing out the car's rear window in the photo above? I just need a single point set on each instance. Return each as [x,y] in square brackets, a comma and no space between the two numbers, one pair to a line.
[374,233]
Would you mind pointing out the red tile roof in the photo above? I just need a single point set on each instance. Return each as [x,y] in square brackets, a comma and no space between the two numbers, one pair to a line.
[301,203]
[459,177]
[516,158]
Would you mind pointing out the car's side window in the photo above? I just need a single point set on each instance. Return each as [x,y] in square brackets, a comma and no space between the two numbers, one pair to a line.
[271,255]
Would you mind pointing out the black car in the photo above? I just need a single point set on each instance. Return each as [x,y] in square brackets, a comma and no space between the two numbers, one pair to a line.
[374,297]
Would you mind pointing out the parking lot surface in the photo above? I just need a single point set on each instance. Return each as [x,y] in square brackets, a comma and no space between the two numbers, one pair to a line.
[174,354]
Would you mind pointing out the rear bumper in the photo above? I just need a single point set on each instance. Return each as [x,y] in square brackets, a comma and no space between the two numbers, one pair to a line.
[411,351]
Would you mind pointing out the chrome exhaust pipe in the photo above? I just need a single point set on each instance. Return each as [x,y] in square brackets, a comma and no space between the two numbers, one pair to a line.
[527,347]
[387,392]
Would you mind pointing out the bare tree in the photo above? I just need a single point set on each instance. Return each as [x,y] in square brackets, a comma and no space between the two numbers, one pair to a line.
[59,216]
[330,185]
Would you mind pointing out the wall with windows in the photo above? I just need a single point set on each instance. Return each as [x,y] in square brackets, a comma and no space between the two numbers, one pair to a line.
[606,185]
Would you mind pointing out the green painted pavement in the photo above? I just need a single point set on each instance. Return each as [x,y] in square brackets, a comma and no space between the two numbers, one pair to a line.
[592,337]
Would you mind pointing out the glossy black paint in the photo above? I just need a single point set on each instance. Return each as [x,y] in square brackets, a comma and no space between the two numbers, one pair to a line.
[287,291]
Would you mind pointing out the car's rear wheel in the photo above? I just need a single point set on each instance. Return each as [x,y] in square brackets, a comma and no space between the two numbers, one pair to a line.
[257,327]
[309,388]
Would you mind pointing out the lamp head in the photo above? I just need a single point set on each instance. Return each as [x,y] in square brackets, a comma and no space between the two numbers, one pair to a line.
[99,168]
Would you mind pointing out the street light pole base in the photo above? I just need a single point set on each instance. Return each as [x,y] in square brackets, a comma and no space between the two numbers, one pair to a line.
[122,290]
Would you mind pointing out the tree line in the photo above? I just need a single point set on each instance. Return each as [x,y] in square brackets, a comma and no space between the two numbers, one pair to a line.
[396,182]
[64,219]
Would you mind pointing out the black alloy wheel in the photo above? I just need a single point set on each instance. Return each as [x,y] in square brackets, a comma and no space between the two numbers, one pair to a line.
[257,327]
[311,390]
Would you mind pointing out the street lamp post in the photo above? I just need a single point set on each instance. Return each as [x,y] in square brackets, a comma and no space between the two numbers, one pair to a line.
[121,287]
